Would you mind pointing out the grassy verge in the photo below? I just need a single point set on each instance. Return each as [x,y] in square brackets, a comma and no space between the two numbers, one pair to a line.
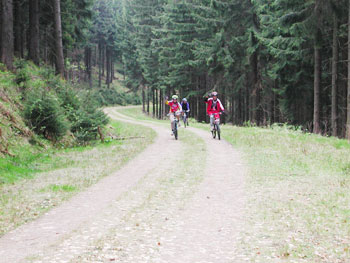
[50,178]
[135,112]
[298,192]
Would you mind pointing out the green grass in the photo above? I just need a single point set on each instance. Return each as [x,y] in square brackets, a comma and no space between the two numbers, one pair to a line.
[136,113]
[298,198]
[24,165]
[59,188]
[36,182]
[31,161]
[298,195]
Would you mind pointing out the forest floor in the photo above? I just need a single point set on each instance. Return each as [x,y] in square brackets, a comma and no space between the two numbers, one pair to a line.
[177,201]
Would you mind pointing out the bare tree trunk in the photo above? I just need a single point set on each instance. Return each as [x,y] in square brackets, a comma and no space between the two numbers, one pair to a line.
[156,101]
[147,93]
[34,50]
[17,27]
[112,67]
[88,65]
[317,84]
[103,58]
[107,66]
[7,41]
[100,64]
[335,61]
[143,99]
[58,37]
[153,103]
[160,103]
[254,72]
[348,95]
[0,26]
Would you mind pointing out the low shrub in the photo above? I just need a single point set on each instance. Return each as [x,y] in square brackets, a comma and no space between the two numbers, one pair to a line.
[45,115]
[86,122]
[22,73]
[83,114]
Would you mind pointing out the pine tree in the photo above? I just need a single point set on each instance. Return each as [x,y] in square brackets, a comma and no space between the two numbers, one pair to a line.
[7,37]
[58,37]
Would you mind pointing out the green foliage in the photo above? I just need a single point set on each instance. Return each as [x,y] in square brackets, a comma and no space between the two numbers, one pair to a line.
[45,115]
[64,188]
[22,74]
[82,113]
[53,107]
[106,97]
[85,123]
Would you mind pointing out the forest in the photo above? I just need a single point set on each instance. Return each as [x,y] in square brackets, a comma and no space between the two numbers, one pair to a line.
[280,61]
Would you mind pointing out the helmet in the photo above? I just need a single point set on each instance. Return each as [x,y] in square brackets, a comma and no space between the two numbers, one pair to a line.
[175,97]
[184,99]
[214,93]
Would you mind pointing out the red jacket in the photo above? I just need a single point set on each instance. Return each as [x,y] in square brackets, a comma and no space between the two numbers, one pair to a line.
[174,107]
[211,109]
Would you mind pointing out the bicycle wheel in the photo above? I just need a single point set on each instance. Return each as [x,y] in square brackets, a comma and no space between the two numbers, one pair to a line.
[185,122]
[213,132]
[175,131]
[219,132]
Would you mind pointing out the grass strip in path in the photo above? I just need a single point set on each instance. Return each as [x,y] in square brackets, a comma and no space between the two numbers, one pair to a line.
[58,176]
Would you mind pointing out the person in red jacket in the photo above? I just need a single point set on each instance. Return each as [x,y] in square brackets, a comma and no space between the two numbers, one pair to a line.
[175,110]
[214,105]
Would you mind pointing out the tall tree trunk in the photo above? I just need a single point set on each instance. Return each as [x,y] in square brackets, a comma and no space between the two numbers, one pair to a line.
[34,51]
[147,93]
[317,84]
[160,103]
[348,88]
[254,71]
[88,65]
[0,26]
[108,67]
[143,99]
[17,27]
[153,103]
[335,61]
[7,41]
[103,59]
[100,64]
[247,101]
[254,93]
[112,67]
[156,98]
[58,37]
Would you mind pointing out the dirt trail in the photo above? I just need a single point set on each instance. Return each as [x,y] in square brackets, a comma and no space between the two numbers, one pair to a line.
[149,211]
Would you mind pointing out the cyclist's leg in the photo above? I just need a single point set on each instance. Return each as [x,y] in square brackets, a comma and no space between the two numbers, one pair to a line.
[172,120]
[178,114]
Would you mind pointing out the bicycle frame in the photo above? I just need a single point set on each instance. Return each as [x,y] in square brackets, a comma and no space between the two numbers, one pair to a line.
[216,123]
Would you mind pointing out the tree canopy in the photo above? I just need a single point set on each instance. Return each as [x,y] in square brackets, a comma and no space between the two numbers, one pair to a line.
[274,61]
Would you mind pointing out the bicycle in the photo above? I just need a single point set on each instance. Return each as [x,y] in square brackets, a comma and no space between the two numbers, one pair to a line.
[185,119]
[175,131]
[216,130]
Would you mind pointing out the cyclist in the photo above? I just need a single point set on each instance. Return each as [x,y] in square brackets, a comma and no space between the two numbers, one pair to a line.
[185,107]
[214,105]
[175,110]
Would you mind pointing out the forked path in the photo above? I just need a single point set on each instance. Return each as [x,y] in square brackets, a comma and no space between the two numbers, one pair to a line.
[178,201]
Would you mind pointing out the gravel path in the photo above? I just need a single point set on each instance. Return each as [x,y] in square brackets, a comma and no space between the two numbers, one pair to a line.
[160,207]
